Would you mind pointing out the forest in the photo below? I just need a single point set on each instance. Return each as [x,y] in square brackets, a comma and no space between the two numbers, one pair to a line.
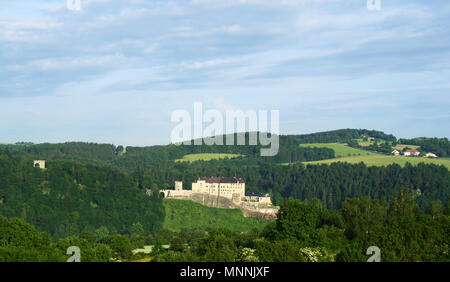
[301,233]
[96,195]
[342,136]
[330,183]
[69,197]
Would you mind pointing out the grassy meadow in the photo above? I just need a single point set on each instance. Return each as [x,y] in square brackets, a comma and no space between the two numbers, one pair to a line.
[383,160]
[351,155]
[340,150]
[401,147]
[206,157]
[183,214]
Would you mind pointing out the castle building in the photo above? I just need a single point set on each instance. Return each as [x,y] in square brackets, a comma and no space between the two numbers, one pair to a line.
[228,187]
[232,188]
[260,198]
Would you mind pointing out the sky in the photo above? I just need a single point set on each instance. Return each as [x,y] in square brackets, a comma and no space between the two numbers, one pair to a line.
[115,70]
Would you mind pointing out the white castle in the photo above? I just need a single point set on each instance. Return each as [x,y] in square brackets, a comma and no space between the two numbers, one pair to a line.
[232,188]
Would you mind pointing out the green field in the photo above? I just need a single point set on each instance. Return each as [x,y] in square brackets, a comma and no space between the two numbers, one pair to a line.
[184,214]
[206,157]
[401,147]
[340,150]
[383,160]
[363,143]
[370,158]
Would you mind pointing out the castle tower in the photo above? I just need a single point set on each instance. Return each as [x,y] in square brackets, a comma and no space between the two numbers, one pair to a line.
[178,185]
[39,164]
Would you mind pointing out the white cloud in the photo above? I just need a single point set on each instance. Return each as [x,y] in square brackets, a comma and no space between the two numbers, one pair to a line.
[15,29]
[356,19]
[328,56]
[79,62]
[195,65]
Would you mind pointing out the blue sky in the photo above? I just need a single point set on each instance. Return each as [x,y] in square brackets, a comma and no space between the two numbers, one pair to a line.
[116,70]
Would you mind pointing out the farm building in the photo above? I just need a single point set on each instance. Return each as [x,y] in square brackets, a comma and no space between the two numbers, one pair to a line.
[431,155]
[409,153]
[395,153]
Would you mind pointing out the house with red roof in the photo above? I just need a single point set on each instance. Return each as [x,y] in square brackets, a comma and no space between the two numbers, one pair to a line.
[411,153]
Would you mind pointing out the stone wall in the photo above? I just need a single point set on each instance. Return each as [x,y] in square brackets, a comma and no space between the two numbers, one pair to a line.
[249,209]
[170,193]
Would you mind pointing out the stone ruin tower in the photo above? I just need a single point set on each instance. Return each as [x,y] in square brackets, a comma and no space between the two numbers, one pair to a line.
[39,164]
[178,185]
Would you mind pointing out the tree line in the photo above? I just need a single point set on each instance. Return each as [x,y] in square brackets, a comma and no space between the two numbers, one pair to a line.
[331,184]
[302,232]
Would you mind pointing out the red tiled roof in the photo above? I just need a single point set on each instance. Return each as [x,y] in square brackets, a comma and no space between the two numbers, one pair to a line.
[221,179]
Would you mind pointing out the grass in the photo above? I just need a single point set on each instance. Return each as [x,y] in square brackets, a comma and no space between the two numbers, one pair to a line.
[367,143]
[148,249]
[401,147]
[185,214]
[206,157]
[340,150]
[384,160]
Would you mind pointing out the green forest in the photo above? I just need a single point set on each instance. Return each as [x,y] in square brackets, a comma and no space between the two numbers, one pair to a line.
[104,198]
[69,197]
[301,233]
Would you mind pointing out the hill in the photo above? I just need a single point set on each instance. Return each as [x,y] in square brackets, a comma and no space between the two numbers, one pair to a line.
[383,160]
[340,150]
[342,136]
[155,167]
[184,214]
[351,155]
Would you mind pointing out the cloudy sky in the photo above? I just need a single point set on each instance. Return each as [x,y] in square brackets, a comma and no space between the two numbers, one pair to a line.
[115,71]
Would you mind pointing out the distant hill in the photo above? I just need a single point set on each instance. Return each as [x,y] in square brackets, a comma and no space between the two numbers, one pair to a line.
[289,151]
[342,136]
[351,155]
[156,167]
